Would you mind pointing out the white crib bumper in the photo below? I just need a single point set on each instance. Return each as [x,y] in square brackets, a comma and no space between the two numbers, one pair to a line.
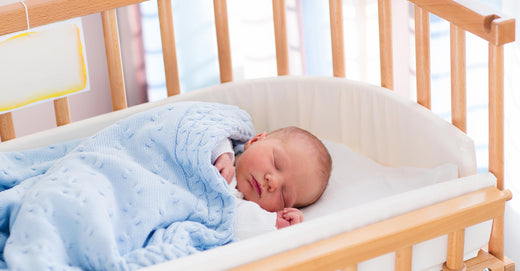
[374,121]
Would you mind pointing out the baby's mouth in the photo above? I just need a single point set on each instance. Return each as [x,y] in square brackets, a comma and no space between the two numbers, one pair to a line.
[256,186]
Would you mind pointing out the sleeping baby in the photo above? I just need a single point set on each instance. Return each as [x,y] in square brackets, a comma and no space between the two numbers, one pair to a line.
[277,173]
[143,191]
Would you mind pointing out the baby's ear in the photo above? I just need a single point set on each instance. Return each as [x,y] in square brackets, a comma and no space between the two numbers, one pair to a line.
[255,139]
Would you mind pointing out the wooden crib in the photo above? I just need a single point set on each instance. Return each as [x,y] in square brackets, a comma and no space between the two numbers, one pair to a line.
[398,234]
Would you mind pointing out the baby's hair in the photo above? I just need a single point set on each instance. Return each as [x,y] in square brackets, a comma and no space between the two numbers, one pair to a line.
[323,158]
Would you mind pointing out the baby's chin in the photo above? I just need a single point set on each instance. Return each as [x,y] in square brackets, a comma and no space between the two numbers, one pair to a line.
[253,199]
[256,200]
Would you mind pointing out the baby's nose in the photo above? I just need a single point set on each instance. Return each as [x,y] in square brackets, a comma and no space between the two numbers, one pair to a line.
[271,182]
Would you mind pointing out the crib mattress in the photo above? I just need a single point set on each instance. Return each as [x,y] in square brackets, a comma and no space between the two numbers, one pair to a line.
[418,155]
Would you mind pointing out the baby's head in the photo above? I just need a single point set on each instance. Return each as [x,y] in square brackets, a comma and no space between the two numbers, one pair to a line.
[288,167]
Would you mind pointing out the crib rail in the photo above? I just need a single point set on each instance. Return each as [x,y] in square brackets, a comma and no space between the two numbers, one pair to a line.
[473,17]
[42,12]
[397,234]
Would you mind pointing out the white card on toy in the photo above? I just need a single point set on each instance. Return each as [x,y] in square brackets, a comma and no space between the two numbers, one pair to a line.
[42,63]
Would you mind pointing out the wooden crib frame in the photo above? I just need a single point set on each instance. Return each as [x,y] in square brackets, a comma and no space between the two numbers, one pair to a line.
[398,234]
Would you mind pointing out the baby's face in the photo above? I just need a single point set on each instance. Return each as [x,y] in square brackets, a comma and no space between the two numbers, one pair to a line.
[277,174]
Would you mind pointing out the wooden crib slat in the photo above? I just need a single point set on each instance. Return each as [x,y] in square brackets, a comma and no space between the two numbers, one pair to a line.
[224,48]
[496,241]
[455,257]
[62,111]
[115,65]
[496,138]
[496,113]
[403,259]
[422,57]
[385,43]
[280,36]
[7,126]
[336,30]
[458,77]
[168,46]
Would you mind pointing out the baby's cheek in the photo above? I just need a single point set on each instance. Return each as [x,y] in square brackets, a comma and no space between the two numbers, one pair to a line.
[246,191]
[270,205]
[240,185]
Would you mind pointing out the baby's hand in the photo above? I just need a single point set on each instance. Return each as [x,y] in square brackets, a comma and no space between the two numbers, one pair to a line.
[288,217]
[224,164]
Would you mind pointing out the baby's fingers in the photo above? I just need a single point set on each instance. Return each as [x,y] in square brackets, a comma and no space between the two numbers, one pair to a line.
[294,216]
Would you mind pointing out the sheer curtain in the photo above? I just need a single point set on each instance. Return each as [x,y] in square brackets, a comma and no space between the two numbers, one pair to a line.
[251,38]
[195,43]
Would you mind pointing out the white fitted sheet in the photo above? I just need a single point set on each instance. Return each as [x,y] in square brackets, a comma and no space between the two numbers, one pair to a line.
[356,180]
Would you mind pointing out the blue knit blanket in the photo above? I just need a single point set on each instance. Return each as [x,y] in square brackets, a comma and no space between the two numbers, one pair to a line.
[140,192]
